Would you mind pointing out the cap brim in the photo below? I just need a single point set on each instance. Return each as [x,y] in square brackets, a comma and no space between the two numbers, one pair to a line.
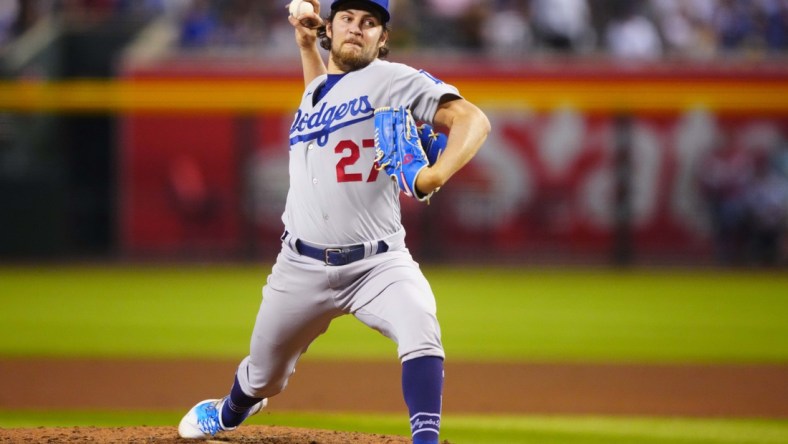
[383,13]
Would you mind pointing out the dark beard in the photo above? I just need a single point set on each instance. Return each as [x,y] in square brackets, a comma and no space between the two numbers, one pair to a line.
[349,62]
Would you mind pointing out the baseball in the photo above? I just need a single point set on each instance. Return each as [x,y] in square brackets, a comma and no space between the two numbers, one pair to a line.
[300,7]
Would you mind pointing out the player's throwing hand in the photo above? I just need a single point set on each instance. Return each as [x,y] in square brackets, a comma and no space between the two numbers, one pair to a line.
[307,12]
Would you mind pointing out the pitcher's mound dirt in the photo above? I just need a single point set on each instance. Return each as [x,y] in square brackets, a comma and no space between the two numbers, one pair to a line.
[169,435]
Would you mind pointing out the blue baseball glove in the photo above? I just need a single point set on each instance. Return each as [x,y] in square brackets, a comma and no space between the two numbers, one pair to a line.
[398,148]
[432,141]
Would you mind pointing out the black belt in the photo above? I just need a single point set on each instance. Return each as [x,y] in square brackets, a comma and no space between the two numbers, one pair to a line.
[336,256]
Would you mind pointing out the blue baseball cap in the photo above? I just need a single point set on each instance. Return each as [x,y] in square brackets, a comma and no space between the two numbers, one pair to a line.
[381,5]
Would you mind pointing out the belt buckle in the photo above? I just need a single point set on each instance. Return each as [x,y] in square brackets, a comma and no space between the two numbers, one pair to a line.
[328,251]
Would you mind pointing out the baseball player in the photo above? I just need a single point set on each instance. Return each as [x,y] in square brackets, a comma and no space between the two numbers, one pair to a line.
[343,248]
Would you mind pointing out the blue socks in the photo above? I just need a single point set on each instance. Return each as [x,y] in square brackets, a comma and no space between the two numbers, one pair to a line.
[237,406]
[422,387]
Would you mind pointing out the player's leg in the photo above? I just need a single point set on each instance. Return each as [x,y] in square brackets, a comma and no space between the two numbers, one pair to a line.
[405,312]
[277,343]
[294,311]
[284,330]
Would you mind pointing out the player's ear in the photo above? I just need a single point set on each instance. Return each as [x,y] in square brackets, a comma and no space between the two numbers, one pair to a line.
[384,38]
[329,31]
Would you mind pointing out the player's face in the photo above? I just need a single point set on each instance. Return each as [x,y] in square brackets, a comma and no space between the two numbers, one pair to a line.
[356,37]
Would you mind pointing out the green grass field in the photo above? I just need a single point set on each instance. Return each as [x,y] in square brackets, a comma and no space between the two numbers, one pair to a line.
[486,314]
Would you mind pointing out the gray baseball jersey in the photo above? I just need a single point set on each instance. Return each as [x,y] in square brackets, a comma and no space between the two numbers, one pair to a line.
[337,198]
[336,195]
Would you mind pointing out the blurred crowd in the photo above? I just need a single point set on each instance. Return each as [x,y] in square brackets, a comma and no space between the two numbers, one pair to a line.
[643,29]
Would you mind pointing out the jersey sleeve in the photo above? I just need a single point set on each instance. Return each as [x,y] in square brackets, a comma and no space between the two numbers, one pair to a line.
[420,91]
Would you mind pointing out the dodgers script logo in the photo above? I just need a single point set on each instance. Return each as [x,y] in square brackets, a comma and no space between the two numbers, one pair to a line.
[325,120]
[423,422]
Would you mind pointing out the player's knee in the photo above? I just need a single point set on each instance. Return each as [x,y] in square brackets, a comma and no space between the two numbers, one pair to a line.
[420,352]
[420,336]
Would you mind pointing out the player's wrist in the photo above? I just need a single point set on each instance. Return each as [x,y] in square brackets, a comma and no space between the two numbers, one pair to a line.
[428,181]
[308,48]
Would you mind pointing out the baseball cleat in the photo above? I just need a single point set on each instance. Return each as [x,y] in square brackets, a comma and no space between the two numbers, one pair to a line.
[204,420]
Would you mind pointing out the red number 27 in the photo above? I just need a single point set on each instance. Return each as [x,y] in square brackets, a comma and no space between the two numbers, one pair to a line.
[352,153]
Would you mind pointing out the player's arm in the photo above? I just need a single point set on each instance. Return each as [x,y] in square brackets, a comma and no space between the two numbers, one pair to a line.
[468,129]
[306,38]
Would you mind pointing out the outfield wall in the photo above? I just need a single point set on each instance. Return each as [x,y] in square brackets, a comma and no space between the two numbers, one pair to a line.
[573,148]
[585,160]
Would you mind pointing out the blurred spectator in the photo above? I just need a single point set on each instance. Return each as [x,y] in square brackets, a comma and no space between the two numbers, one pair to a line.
[17,16]
[766,203]
[243,24]
[776,24]
[444,23]
[405,18]
[632,35]
[506,31]
[562,25]
[751,26]
[735,24]
[9,11]
[686,26]
[87,11]
[471,26]
[139,7]
[724,175]
[198,25]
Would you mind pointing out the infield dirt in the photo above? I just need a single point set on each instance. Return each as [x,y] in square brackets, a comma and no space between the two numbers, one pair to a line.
[321,386]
